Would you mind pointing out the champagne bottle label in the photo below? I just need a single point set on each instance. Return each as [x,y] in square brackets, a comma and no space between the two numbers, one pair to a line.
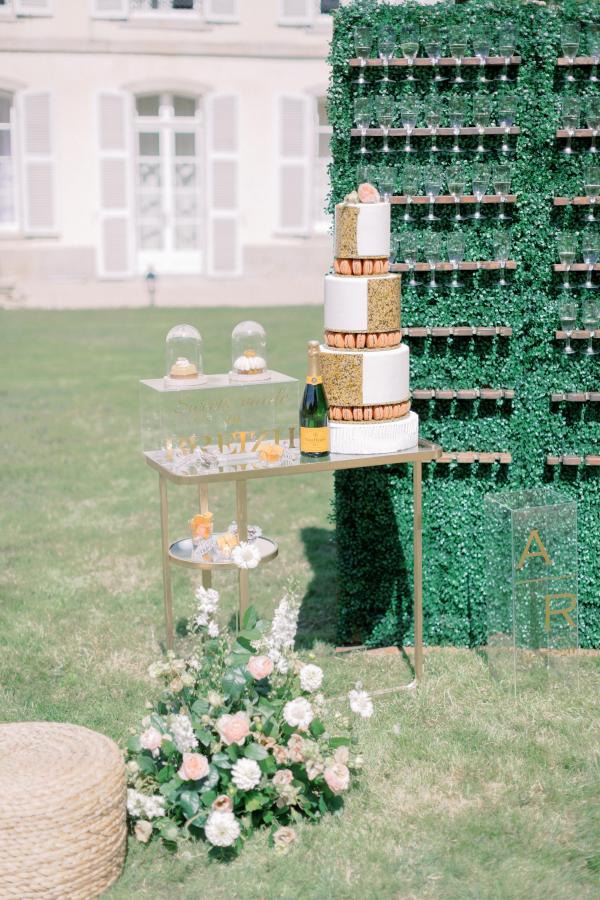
[314,379]
[314,440]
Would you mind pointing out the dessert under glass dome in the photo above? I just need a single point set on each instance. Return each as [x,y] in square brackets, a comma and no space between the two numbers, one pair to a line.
[184,356]
[249,353]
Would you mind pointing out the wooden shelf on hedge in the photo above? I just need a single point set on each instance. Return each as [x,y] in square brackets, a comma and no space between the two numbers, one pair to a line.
[578,133]
[577,61]
[574,201]
[465,266]
[458,331]
[467,457]
[466,130]
[445,61]
[576,397]
[447,199]
[591,459]
[576,267]
[463,394]
[579,335]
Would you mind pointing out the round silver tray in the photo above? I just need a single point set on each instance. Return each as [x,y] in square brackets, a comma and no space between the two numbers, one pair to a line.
[180,553]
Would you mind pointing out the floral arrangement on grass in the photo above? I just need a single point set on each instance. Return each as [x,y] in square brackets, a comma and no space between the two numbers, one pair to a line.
[237,741]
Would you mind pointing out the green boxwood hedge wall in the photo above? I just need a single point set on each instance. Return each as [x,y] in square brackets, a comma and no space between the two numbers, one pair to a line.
[373,507]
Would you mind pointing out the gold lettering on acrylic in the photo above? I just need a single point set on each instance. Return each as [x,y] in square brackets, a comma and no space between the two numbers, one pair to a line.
[563,611]
[528,553]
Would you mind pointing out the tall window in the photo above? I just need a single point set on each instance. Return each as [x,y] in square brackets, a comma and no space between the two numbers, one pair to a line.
[8,206]
[168,183]
[323,131]
[328,6]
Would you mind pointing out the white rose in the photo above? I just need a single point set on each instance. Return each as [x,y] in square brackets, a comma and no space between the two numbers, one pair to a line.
[222,829]
[311,678]
[298,713]
[361,703]
[245,774]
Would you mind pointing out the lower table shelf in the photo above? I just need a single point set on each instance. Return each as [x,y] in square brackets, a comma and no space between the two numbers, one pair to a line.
[180,553]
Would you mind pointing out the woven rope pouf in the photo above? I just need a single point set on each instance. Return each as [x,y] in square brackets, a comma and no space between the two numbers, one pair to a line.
[62,811]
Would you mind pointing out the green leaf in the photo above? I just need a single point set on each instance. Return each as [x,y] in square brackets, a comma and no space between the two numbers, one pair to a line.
[221,760]
[268,765]
[250,618]
[200,707]
[317,728]
[189,802]
[208,797]
[255,800]
[235,680]
[249,635]
[147,764]
[204,736]
[133,744]
[339,742]
[255,751]
[165,774]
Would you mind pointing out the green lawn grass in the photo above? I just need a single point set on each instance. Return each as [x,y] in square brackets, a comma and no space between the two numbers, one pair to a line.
[466,793]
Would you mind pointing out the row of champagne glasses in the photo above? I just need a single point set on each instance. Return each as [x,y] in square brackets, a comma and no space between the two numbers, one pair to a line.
[568,311]
[405,247]
[434,111]
[571,40]
[433,38]
[571,111]
[431,179]
[568,247]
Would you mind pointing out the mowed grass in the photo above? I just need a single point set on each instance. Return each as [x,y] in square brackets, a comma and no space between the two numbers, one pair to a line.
[466,793]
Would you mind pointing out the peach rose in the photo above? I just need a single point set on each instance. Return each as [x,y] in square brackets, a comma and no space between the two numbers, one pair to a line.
[233,729]
[342,755]
[284,836]
[260,667]
[151,739]
[296,748]
[283,777]
[280,753]
[337,778]
[223,803]
[368,194]
[193,767]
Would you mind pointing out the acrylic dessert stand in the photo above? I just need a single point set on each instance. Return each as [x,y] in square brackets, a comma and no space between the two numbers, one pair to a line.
[179,552]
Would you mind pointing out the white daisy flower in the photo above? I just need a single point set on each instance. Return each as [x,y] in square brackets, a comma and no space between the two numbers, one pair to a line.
[298,713]
[361,704]
[311,678]
[222,829]
[246,555]
[245,774]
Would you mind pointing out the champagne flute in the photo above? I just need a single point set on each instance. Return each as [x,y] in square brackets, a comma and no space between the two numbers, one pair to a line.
[365,173]
[432,38]
[570,114]
[567,313]
[385,107]
[410,187]
[594,49]
[507,42]
[482,116]
[590,313]
[394,247]
[591,185]
[362,117]
[434,179]
[507,114]
[593,120]
[363,38]
[501,245]
[457,110]
[570,38]
[455,248]
[409,250]
[481,181]
[386,46]
[409,112]
[409,44]
[458,48]
[386,180]
[457,183]
[481,39]
[433,117]
[567,252]
[502,179]
[432,248]
[590,248]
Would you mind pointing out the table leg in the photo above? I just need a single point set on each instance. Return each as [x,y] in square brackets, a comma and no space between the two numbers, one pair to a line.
[241,501]
[164,530]
[203,500]
[418,567]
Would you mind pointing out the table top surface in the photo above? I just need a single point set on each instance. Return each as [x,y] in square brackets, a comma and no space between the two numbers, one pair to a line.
[292,464]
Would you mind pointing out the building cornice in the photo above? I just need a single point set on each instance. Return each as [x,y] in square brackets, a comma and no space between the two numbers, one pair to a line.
[249,50]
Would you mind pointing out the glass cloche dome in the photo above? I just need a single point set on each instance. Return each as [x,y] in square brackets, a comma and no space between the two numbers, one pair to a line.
[184,356]
[249,353]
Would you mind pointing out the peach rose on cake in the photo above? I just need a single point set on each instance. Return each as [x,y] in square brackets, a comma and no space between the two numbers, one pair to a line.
[233,729]
[194,767]
[367,193]
[260,667]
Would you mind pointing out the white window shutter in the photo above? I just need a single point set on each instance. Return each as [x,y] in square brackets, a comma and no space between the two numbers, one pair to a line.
[222,10]
[39,188]
[33,7]
[224,252]
[294,122]
[296,12]
[115,250]
[110,9]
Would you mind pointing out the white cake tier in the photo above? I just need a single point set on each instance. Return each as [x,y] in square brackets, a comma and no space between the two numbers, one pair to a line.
[364,304]
[365,377]
[374,437]
[362,230]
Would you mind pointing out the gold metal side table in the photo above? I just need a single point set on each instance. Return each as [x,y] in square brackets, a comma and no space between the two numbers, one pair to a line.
[179,552]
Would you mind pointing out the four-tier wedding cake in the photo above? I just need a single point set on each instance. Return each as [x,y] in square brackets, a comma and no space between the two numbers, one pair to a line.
[364,363]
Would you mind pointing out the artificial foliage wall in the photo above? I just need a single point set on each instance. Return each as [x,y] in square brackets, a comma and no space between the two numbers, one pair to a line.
[373,506]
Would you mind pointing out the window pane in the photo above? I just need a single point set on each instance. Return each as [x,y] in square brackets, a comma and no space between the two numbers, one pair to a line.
[184,106]
[329,5]
[185,206]
[322,111]
[324,152]
[149,143]
[182,4]
[149,206]
[149,174]
[4,143]
[185,174]
[5,105]
[185,144]
[186,237]
[148,105]
[151,237]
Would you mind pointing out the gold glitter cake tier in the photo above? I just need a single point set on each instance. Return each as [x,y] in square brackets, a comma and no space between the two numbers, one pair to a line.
[362,230]
[362,341]
[355,378]
[368,305]
[369,413]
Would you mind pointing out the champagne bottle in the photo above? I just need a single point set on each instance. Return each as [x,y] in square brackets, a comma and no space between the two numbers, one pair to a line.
[314,435]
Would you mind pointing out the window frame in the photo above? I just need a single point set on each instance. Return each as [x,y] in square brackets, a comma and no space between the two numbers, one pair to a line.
[13,227]
[179,14]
